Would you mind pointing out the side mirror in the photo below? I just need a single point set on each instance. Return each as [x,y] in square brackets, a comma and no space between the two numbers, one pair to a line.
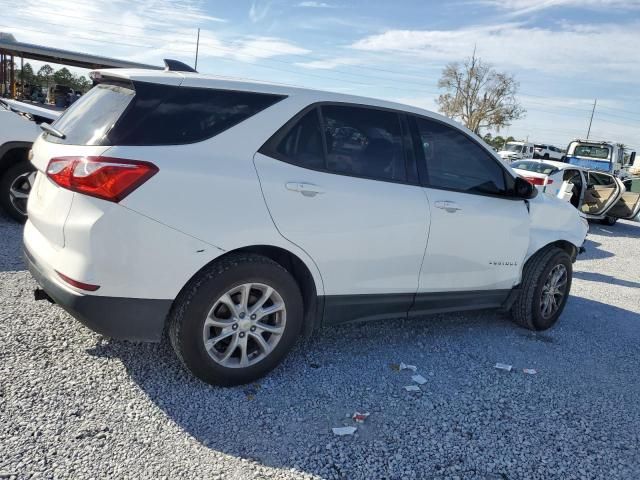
[563,159]
[524,189]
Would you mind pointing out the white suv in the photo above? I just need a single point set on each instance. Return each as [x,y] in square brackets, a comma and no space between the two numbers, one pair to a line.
[240,216]
[18,129]
[547,152]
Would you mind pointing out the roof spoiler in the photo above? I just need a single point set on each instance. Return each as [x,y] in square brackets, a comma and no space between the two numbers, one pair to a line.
[177,66]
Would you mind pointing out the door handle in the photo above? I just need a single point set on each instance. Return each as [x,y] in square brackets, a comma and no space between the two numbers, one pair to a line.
[451,207]
[306,189]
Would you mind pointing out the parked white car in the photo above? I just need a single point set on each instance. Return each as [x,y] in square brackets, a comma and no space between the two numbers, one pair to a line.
[516,151]
[242,215]
[596,194]
[18,129]
[547,152]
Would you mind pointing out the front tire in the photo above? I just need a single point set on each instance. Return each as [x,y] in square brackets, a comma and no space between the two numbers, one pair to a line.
[546,283]
[15,187]
[236,320]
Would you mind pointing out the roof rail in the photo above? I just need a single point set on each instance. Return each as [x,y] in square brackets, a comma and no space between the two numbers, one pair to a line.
[177,66]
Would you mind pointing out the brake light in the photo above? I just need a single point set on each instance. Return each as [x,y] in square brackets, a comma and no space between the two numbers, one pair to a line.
[107,178]
[77,284]
[539,181]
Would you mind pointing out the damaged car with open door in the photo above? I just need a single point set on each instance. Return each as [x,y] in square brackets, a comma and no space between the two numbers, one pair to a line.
[597,195]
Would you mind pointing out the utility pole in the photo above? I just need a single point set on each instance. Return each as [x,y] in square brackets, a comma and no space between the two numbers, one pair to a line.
[591,119]
[197,48]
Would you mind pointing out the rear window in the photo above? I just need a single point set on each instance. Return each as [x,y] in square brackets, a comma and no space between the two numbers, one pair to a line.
[536,167]
[153,114]
[591,151]
[89,120]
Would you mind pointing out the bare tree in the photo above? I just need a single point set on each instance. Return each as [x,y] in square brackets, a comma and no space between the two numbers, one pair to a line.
[478,95]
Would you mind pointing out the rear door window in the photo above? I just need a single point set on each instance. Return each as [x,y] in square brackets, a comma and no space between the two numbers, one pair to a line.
[364,142]
[455,162]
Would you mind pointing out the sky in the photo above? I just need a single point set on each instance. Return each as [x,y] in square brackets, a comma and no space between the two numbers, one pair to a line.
[563,53]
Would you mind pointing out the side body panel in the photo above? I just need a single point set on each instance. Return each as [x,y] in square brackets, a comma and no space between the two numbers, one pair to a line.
[481,246]
[367,236]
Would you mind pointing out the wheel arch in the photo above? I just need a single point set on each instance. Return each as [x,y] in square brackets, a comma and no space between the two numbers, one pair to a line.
[12,153]
[567,246]
[313,306]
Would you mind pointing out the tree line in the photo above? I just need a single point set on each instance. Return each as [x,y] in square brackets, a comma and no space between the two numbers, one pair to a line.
[47,76]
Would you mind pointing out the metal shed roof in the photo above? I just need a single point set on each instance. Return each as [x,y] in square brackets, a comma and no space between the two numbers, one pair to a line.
[9,46]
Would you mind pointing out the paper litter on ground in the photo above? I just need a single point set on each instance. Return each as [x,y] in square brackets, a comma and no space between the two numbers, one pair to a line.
[503,366]
[344,430]
[360,417]
[412,388]
[404,366]
[419,379]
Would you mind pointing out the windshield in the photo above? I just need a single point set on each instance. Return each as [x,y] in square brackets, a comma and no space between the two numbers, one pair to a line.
[592,151]
[513,147]
[537,167]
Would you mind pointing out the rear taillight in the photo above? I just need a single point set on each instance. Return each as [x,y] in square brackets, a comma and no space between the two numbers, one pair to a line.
[539,181]
[107,178]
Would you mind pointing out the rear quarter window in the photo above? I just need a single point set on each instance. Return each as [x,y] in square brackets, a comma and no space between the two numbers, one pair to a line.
[154,114]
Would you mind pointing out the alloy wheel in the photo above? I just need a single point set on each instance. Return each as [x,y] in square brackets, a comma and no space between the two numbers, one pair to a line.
[244,325]
[553,291]
[19,191]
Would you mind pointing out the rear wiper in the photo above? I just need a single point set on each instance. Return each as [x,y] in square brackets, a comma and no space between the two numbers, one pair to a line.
[53,131]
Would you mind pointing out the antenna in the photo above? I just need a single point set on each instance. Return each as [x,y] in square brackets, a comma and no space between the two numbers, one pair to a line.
[591,119]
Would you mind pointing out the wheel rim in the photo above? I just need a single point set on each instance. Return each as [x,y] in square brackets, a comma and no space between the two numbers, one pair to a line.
[553,291]
[244,325]
[19,191]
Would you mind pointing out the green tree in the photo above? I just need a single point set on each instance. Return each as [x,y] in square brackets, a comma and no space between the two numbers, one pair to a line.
[81,83]
[45,75]
[498,142]
[26,75]
[63,77]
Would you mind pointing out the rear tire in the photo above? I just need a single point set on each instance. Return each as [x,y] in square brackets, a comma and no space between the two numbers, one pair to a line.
[220,331]
[546,156]
[546,283]
[15,186]
[611,221]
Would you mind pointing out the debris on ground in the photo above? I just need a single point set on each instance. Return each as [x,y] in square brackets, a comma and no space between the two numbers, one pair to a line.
[251,391]
[360,417]
[341,431]
[404,366]
[503,366]
[412,388]
[419,379]
[530,371]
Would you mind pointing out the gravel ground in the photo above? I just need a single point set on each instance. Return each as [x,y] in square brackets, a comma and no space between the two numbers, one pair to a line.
[76,405]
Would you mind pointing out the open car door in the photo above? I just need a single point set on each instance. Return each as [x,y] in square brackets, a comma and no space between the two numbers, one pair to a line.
[602,193]
[628,206]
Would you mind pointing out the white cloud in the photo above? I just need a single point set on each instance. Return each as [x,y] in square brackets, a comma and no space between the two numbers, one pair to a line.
[259,11]
[146,31]
[329,63]
[521,7]
[311,4]
[607,50]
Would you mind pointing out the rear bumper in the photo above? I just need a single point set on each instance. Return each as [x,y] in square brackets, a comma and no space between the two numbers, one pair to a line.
[136,319]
